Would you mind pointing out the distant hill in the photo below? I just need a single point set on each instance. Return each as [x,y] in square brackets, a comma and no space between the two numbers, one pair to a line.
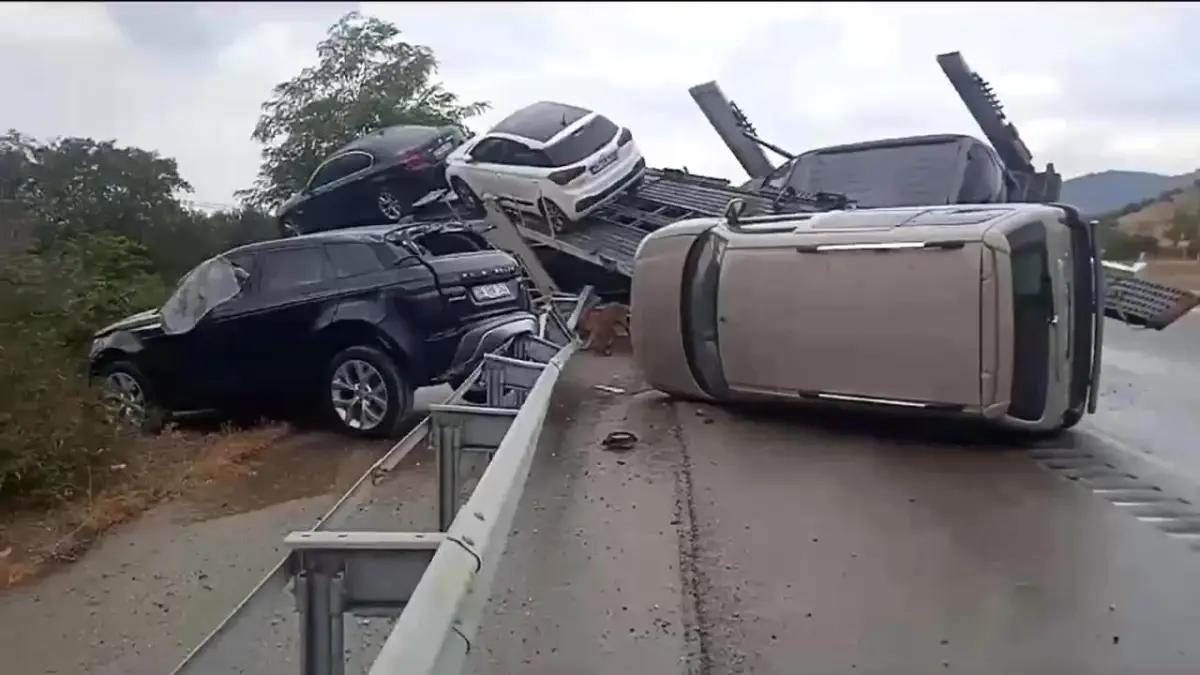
[1099,193]
[1164,226]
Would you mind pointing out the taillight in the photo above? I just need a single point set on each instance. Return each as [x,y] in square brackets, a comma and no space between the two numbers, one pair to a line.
[564,176]
[626,136]
[413,159]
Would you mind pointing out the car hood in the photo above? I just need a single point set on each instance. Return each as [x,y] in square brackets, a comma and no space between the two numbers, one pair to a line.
[142,320]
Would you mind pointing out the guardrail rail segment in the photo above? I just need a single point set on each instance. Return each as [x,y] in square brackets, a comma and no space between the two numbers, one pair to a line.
[436,584]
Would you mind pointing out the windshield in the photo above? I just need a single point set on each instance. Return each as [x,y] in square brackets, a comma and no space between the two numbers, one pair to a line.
[877,175]
[211,283]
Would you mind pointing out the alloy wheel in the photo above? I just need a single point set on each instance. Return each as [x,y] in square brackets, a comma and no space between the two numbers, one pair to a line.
[389,205]
[125,398]
[359,395]
[555,218]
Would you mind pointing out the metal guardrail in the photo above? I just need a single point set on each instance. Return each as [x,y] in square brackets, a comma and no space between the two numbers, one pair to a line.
[436,583]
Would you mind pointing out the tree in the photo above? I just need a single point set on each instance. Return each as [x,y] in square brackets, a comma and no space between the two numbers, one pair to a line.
[73,185]
[366,78]
[100,234]
[1185,225]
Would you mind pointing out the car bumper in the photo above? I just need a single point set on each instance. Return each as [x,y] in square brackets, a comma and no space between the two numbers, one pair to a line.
[585,205]
[485,337]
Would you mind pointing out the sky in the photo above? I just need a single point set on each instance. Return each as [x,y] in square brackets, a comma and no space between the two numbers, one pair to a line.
[1090,86]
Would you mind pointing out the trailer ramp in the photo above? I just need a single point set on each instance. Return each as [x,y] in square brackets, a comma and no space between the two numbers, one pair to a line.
[1140,302]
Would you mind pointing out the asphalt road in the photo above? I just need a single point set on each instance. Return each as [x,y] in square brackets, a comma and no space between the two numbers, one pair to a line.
[732,542]
[725,542]
[1151,395]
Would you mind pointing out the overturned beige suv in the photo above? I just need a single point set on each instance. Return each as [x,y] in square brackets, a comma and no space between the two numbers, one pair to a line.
[989,311]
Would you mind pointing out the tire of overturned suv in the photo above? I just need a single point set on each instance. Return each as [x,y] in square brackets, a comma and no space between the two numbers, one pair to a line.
[366,394]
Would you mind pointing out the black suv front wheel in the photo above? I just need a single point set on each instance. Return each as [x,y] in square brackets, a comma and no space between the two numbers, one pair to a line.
[366,393]
[129,398]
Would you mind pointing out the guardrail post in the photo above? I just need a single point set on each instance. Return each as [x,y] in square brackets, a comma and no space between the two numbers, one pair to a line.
[318,599]
[533,348]
[362,573]
[446,442]
[508,380]
[459,431]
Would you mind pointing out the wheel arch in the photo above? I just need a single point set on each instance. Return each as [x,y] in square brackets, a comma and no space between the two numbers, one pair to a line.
[336,335]
[105,358]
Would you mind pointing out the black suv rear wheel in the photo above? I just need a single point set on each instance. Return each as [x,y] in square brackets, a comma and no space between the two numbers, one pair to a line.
[366,394]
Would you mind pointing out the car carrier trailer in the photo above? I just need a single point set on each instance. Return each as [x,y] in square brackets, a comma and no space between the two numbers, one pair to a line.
[937,169]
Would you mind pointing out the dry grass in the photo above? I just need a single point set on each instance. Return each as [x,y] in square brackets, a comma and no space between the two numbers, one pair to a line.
[1184,274]
[1155,218]
[160,468]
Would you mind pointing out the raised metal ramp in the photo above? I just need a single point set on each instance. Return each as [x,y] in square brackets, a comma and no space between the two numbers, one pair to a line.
[1139,302]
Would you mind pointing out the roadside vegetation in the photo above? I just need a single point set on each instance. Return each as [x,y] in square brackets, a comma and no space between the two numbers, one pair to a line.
[92,231]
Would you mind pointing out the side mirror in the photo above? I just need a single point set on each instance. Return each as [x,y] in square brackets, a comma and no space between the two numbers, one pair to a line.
[467,159]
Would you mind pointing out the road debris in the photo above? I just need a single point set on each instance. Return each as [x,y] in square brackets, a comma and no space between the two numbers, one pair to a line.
[619,441]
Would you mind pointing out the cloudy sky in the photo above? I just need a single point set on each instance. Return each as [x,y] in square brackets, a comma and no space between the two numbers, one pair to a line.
[1090,86]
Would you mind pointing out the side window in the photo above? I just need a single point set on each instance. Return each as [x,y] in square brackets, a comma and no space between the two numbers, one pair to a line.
[1029,271]
[521,155]
[486,150]
[353,259]
[339,167]
[983,178]
[292,269]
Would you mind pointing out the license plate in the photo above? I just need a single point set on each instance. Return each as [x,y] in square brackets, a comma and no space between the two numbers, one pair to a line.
[604,162]
[491,292]
[443,149]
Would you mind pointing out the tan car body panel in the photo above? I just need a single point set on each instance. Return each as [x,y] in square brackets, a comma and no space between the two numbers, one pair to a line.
[926,326]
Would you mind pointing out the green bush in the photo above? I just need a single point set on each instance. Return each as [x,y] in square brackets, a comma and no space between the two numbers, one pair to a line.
[54,431]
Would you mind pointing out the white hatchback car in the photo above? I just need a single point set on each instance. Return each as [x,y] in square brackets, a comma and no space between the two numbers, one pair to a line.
[554,160]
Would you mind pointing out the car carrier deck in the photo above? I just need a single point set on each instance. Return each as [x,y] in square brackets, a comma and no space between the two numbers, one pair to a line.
[610,236]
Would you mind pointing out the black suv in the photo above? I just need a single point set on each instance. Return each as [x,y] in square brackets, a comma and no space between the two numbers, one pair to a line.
[353,320]
[373,179]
